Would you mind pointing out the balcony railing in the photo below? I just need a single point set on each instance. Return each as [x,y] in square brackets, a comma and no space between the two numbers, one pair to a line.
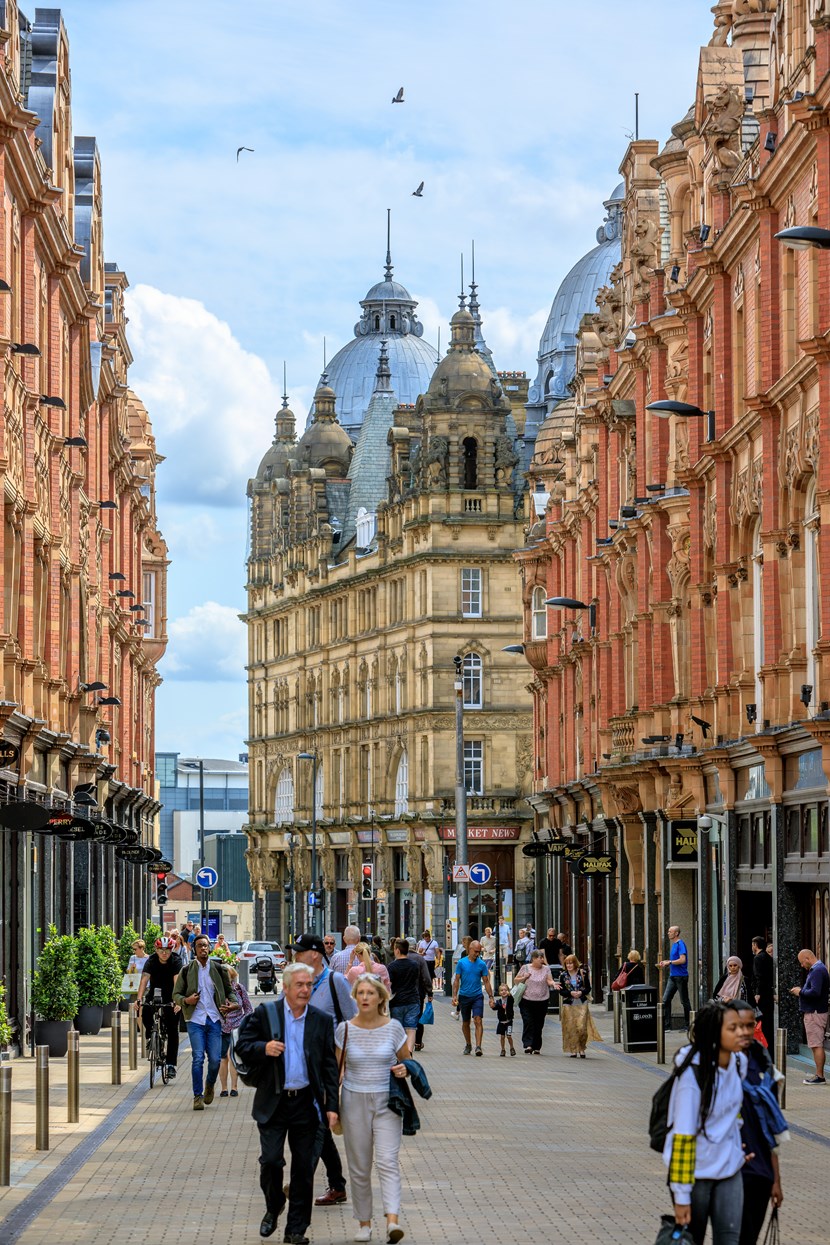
[622,735]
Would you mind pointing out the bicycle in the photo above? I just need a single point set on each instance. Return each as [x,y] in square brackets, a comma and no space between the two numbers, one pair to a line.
[156,1043]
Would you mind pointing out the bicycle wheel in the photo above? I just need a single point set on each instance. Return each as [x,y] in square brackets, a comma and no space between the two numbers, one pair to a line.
[163,1066]
[153,1056]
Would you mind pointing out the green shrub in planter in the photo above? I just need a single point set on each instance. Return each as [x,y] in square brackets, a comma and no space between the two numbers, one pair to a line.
[151,933]
[5,1027]
[125,945]
[89,969]
[54,986]
[112,966]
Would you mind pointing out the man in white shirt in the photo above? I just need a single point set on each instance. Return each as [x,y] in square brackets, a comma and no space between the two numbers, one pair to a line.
[341,961]
[204,992]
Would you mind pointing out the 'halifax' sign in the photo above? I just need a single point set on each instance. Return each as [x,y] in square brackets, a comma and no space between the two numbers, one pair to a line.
[683,841]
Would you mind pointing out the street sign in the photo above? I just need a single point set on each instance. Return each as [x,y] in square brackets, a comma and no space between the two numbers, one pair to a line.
[480,874]
[207,878]
[596,865]
[461,873]
[535,849]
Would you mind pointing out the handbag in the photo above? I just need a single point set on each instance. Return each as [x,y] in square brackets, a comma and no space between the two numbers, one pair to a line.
[518,991]
[772,1236]
[621,980]
[337,1127]
[673,1233]
[130,983]
[427,1016]
[759,1037]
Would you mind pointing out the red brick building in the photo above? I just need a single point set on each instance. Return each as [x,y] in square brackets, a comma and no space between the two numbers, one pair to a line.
[83,562]
[697,536]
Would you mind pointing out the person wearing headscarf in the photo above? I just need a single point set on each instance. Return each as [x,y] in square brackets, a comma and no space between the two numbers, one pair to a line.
[732,984]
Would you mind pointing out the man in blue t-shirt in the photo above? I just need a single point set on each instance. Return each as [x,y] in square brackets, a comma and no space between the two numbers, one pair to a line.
[470,974]
[678,982]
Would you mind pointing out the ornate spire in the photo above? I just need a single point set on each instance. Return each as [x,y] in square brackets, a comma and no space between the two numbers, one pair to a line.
[462,298]
[387,272]
[481,345]
[284,385]
[383,376]
[285,427]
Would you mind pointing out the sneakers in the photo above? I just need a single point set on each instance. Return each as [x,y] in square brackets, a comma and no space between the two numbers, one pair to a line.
[502,1054]
[208,1094]
[468,1050]
[198,1102]
[512,1050]
[814,1080]
[363,1233]
[171,1072]
[331,1197]
[479,1051]
[394,1234]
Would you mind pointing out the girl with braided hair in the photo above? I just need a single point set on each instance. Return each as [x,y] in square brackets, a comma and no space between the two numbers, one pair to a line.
[703,1150]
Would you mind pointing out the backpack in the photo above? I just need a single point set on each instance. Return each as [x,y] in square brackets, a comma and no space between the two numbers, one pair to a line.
[254,1074]
[658,1120]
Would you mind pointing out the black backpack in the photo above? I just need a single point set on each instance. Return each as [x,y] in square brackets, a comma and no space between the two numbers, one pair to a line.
[658,1121]
[254,1074]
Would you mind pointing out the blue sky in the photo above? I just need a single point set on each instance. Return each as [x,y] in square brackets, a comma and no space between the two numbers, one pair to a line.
[517,116]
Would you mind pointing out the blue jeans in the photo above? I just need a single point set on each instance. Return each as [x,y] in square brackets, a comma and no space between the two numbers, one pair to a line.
[407,1014]
[205,1039]
[676,985]
[721,1203]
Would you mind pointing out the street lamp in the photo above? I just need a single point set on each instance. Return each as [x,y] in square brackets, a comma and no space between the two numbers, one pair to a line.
[200,766]
[462,887]
[805,238]
[667,407]
[312,757]
[291,841]
[710,899]
[570,603]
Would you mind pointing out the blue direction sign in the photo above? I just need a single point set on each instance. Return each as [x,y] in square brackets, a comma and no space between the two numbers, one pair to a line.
[207,878]
[480,874]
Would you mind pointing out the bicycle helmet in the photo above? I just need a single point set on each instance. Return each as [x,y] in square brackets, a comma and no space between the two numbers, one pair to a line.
[165,944]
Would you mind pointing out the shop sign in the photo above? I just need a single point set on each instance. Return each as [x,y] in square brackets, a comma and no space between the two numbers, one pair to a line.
[397,836]
[558,847]
[683,836]
[535,849]
[368,836]
[9,754]
[504,833]
[593,865]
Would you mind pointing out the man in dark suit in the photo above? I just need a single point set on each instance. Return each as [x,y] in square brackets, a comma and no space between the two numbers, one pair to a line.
[297,1098]
[763,987]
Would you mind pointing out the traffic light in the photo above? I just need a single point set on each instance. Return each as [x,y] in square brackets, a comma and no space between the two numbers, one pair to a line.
[368,878]
[161,889]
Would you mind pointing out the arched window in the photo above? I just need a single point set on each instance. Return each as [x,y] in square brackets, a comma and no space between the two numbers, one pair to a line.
[812,527]
[284,810]
[539,612]
[393,320]
[402,786]
[377,324]
[758,623]
[472,681]
[470,462]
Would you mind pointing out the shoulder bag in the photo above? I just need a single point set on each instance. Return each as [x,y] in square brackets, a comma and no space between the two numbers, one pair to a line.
[337,1127]
[621,980]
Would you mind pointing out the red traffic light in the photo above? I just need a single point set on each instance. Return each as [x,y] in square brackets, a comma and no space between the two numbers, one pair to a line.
[367,871]
[161,876]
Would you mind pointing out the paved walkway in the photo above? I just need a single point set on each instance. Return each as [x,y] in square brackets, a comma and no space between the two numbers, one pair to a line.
[511,1150]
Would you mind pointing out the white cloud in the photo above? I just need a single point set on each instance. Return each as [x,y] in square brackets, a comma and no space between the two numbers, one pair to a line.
[207,643]
[211,401]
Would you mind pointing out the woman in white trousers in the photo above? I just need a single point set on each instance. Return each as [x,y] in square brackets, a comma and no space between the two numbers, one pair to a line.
[369,1047]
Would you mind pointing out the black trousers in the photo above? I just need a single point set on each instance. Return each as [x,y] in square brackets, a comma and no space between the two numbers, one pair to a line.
[533,1013]
[296,1120]
[169,1024]
[332,1162]
[676,985]
[757,1191]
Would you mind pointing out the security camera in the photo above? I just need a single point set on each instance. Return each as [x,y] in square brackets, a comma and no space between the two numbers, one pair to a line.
[704,822]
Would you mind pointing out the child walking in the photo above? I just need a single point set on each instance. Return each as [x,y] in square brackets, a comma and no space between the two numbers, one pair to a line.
[504,1017]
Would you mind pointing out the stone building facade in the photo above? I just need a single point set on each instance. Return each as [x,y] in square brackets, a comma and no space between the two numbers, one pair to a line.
[698,535]
[83,561]
[372,566]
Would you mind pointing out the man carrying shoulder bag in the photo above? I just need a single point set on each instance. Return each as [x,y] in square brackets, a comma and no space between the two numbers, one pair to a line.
[204,993]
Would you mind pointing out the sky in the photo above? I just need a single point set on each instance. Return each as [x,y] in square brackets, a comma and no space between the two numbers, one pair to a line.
[517,116]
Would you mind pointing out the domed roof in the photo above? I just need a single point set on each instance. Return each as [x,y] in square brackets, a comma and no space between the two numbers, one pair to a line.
[462,369]
[282,449]
[325,443]
[575,297]
[388,313]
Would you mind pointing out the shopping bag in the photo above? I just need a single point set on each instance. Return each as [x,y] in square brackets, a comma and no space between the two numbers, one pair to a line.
[428,1014]
[673,1233]
[759,1034]
[772,1236]
[130,983]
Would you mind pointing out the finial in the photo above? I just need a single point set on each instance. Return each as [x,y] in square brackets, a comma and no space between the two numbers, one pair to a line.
[388,270]
[325,363]
[284,386]
[462,298]
[383,376]
[439,343]
[473,265]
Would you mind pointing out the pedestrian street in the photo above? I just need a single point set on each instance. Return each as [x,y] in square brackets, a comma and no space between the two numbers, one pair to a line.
[517,1149]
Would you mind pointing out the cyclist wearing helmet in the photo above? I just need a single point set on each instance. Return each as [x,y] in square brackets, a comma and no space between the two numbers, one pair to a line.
[160,973]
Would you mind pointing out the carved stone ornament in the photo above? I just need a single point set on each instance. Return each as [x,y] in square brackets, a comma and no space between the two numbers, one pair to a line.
[710,522]
[721,129]
[792,467]
[811,438]
[723,23]
[437,460]
[747,494]
[506,459]
[643,253]
[608,321]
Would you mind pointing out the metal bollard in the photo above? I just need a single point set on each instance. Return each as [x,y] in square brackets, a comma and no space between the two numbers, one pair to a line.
[692,1018]
[41,1097]
[5,1126]
[661,1035]
[781,1064]
[617,1025]
[143,1044]
[115,1039]
[132,1041]
[73,1078]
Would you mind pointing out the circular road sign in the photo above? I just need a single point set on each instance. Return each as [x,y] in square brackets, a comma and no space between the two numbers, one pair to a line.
[207,878]
[480,874]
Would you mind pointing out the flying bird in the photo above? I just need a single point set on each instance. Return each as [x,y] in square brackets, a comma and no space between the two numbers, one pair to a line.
[398,99]
[419,193]
[704,726]
[240,149]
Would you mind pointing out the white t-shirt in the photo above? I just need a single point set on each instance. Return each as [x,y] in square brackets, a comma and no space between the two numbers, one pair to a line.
[428,949]
[206,1007]
[718,1153]
[370,1053]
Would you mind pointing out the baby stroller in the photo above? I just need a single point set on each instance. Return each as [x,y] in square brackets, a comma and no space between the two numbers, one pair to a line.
[266,975]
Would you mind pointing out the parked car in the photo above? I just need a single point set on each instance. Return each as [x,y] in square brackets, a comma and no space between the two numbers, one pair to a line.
[235,947]
[250,950]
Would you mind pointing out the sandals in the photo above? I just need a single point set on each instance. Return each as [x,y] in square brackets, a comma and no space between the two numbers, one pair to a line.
[223,1093]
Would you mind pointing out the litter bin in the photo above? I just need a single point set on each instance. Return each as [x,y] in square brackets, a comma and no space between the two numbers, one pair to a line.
[242,968]
[639,1018]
